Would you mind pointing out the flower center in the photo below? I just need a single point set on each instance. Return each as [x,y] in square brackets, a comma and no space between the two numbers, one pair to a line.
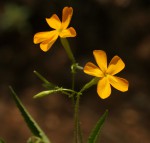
[105,74]
[59,30]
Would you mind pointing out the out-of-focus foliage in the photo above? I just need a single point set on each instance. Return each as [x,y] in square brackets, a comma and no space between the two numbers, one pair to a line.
[14,17]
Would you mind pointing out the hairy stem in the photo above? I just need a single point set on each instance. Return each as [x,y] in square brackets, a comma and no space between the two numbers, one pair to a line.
[78,133]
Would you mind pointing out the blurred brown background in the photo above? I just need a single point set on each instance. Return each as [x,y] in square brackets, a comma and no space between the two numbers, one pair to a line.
[119,27]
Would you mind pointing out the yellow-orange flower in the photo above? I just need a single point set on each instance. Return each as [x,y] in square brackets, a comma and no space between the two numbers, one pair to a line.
[106,74]
[48,38]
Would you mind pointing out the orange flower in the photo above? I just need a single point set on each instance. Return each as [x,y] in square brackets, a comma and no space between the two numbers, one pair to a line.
[48,38]
[106,74]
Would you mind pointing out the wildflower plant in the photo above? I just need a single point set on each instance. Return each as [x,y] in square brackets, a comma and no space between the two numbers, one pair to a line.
[104,77]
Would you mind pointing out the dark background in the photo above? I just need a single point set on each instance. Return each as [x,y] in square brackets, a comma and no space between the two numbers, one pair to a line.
[120,27]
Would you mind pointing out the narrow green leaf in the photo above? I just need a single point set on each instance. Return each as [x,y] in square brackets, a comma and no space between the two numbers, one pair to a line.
[96,130]
[44,93]
[56,89]
[31,123]
[46,83]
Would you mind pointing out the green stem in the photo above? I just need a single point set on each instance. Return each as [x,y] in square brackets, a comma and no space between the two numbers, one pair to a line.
[89,84]
[66,46]
[73,81]
[74,67]
[77,132]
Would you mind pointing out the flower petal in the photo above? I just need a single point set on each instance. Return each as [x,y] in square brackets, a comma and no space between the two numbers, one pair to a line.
[70,32]
[115,65]
[93,70]
[42,36]
[120,84]
[103,88]
[46,45]
[54,21]
[101,59]
[66,16]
